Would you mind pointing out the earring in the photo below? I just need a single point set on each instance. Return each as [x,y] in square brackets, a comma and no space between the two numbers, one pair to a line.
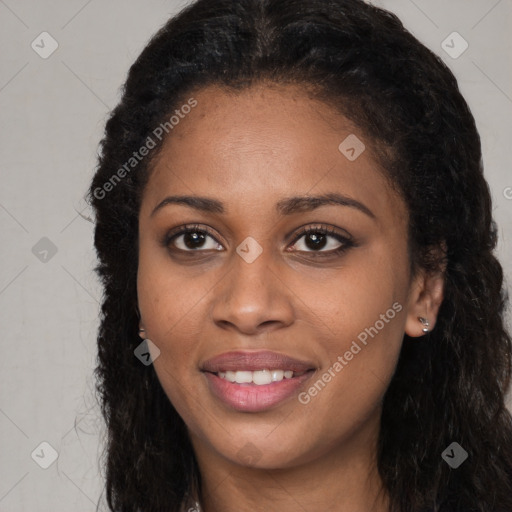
[141,330]
[425,323]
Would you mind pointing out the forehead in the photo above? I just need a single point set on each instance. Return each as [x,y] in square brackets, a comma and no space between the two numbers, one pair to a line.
[264,143]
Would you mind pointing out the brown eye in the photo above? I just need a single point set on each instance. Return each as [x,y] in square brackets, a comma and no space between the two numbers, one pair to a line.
[192,239]
[321,240]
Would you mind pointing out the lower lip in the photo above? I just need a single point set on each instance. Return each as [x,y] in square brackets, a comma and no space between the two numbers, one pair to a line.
[251,397]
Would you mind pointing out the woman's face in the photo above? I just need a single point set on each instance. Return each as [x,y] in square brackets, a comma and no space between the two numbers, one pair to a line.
[248,296]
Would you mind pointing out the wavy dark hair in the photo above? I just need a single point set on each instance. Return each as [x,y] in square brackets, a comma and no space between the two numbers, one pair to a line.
[359,59]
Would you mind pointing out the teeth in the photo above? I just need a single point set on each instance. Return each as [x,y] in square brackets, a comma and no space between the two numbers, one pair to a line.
[277,375]
[243,377]
[261,377]
[258,377]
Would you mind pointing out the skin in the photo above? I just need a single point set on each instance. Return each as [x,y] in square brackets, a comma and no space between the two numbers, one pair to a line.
[249,150]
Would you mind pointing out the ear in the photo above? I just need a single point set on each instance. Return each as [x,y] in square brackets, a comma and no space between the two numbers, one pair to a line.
[425,297]
[142,329]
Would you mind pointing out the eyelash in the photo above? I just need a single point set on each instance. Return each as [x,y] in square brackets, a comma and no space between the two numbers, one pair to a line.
[346,242]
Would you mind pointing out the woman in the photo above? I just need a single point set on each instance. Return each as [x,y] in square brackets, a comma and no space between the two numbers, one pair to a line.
[291,214]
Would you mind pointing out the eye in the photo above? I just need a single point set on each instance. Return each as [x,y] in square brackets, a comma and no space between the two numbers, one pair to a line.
[322,240]
[317,239]
[192,238]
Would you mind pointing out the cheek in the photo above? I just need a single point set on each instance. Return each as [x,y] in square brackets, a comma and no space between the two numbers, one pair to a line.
[361,311]
[167,295]
[360,360]
[352,299]
[170,307]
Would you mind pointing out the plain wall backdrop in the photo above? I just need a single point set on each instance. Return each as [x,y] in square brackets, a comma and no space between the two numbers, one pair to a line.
[54,102]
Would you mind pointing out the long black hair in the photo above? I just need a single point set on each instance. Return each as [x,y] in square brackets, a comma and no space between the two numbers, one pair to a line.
[449,386]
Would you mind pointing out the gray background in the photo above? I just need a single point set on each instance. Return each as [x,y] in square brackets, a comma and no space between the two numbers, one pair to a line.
[53,112]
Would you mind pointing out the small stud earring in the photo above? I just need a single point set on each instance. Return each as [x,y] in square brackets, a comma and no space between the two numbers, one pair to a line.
[141,330]
[425,323]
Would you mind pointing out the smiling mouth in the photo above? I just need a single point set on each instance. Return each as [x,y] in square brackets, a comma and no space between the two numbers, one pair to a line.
[258,377]
[255,381]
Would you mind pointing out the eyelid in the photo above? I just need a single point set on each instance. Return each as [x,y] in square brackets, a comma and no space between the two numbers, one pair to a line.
[323,228]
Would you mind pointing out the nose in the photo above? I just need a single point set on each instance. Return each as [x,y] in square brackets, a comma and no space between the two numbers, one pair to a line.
[253,297]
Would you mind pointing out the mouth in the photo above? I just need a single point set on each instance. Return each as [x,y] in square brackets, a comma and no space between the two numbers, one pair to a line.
[255,381]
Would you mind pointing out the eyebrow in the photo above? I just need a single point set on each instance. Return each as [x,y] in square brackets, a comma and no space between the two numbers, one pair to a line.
[287,206]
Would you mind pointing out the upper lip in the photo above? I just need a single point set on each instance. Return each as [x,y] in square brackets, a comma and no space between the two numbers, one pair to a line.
[253,361]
